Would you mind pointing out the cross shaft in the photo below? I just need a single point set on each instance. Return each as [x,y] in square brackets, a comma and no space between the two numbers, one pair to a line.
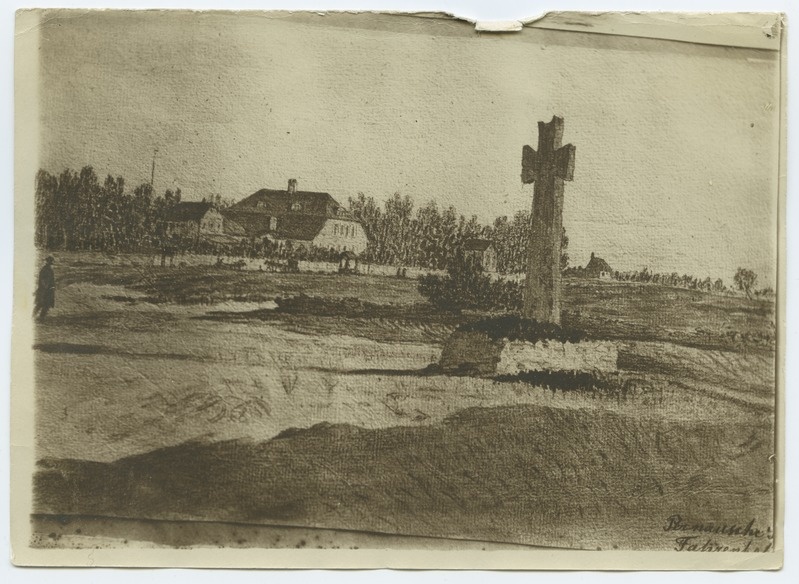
[547,168]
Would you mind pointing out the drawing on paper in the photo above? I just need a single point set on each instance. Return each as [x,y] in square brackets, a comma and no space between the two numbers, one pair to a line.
[369,281]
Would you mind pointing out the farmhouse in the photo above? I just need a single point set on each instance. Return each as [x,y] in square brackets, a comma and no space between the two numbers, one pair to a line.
[481,253]
[201,221]
[597,268]
[298,219]
[193,219]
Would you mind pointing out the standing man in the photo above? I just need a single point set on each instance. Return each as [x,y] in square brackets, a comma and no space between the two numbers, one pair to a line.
[45,291]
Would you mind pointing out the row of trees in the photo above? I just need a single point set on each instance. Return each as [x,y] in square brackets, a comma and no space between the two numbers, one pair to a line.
[465,286]
[429,237]
[74,211]
[744,281]
[399,235]
[673,279]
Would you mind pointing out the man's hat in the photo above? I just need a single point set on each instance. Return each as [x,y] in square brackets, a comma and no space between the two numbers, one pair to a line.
[50,259]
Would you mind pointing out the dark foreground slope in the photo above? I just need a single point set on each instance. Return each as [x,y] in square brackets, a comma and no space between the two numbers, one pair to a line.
[525,474]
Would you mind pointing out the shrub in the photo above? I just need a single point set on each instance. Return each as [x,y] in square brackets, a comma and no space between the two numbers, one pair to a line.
[466,287]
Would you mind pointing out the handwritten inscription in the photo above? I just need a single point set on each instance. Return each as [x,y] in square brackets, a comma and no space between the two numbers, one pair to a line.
[697,536]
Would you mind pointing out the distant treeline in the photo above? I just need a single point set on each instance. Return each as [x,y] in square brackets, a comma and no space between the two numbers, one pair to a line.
[430,237]
[673,279]
[74,211]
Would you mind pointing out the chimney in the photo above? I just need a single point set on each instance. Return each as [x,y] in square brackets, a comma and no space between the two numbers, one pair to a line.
[292,186]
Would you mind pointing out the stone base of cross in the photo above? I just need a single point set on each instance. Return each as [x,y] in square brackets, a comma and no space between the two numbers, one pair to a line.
[547,168]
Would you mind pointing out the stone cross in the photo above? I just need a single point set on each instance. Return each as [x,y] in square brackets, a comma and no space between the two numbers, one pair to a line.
[547,168]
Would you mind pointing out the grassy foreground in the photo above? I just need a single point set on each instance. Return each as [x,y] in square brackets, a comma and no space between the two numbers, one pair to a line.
[533,475]
[175,394]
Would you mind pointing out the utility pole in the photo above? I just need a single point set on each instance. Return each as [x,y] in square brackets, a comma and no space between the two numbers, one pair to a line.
[152,172]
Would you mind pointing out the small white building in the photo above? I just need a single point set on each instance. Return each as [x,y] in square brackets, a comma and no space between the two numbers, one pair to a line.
[597,268]
[481,252]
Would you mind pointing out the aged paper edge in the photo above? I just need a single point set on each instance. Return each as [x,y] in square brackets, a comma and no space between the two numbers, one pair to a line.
[742,29]
[753,30]
[22,400]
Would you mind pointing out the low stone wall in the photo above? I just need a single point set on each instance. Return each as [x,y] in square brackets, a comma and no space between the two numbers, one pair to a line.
[261,264]
[476,353]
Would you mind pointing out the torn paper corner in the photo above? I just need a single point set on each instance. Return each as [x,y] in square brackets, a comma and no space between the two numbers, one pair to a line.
[498,25]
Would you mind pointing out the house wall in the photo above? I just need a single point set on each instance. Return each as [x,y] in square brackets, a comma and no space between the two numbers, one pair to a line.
[212,222]
[342,235]
[486,259]
[490,260]
[182,228]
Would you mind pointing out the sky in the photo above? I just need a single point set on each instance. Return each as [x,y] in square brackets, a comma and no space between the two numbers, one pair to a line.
[676,144]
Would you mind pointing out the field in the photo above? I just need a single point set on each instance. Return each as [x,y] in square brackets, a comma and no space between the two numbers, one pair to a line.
[177,394]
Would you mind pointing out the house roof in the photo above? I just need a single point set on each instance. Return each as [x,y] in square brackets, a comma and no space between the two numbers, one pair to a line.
[231,227]
[251,223]
[302,227]
[280,202]
[188,211]
[300,215]
[289,226]
[476,244]
[597,265]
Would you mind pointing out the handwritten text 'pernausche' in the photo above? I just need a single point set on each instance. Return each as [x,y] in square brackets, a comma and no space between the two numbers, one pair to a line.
[697,536]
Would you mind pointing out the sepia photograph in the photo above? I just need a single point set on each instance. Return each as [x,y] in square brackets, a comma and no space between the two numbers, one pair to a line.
[299,289]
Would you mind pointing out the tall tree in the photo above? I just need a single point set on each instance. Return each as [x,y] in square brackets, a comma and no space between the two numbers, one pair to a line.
[745,280]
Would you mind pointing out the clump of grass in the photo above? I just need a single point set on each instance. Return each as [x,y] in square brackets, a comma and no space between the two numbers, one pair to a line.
[287,372]
[329,384]
[393,402]
[288,379]
[214,406]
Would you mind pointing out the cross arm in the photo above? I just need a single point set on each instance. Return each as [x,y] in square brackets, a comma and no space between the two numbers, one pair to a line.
[529,159]
[564,162]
